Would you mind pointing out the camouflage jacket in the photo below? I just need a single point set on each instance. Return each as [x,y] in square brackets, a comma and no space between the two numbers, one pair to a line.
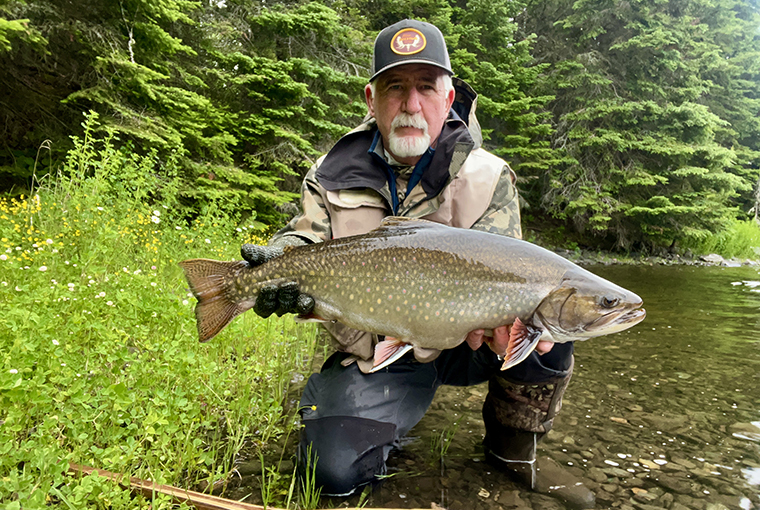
[348,192]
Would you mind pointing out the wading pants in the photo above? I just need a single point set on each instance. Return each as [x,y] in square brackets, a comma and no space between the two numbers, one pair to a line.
[352,420]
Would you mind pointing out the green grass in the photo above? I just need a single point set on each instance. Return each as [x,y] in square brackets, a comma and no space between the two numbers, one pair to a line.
[99,358]
[740,240]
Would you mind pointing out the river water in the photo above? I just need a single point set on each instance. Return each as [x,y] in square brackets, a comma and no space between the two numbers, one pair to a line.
[664,415]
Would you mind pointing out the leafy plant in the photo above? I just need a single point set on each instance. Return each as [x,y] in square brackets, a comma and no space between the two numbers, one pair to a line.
[99,359]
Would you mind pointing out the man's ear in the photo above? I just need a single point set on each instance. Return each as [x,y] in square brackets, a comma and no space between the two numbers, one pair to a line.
[450,98]
[369,99]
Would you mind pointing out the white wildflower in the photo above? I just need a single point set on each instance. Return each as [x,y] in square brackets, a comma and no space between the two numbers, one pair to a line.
[3,257]
[43,268]
[100,208]
[208,241]
[102,294]
[155,219]
[49,241]
[110,303]
[13,371]
[178,227]
[185,301]
[56,342]
[18,289]
[125,269]
[156,213]
[137,271]
[152,284]
[239,229]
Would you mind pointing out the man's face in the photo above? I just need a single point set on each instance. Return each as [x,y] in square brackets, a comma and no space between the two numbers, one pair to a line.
[410,104]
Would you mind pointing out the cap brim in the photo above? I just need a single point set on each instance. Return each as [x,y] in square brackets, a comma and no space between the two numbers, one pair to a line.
[411,61]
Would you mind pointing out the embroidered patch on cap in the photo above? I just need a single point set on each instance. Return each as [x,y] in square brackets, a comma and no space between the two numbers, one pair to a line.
[408,42]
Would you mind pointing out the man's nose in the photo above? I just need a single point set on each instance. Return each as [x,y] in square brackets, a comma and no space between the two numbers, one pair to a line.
[412,101]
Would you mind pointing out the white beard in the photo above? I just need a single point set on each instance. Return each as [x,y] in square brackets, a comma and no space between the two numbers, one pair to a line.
[409,146]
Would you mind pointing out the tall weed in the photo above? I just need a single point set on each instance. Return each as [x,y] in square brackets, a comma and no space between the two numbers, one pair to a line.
[99,359]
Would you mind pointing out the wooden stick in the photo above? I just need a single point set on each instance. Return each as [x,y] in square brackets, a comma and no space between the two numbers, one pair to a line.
[196,499]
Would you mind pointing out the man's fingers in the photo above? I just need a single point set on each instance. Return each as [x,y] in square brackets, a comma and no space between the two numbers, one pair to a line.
[287,296]
[256,255]
[305,304]
[500,340]
[544,346]
[266,301]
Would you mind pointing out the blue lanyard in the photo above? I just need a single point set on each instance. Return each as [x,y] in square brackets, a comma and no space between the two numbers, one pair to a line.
[415,178]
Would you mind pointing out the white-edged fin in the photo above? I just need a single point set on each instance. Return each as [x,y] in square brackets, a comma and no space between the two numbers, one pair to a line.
[388,351]
[522,340]
[309,317]
[305,320]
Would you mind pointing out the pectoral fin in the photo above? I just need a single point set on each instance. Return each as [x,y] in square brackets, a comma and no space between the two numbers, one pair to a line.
[522,340]
[388,351]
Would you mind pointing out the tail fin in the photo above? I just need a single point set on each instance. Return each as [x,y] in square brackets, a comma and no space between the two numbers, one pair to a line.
[207,279]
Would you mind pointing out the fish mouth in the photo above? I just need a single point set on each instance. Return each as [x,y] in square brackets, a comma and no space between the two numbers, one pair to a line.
[616,322]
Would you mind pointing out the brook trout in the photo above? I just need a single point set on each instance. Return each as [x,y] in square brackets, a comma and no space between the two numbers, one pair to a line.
[425,285]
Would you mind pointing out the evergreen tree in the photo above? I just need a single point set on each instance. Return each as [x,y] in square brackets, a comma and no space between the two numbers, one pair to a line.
[649,160]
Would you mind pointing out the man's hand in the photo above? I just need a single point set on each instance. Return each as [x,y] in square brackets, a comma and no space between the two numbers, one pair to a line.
[499,341]
[279,299]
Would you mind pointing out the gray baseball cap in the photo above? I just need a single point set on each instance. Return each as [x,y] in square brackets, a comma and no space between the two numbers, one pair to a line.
[409,42]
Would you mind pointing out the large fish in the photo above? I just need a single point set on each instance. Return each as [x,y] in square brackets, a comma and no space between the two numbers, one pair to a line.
[426,285]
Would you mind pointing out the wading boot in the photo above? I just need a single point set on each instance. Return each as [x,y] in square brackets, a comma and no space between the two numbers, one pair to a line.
[516,417]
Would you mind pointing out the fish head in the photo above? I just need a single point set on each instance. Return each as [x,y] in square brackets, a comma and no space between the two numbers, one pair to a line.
[584,306]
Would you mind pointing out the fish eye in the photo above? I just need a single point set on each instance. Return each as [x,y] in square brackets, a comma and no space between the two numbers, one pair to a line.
[609,302]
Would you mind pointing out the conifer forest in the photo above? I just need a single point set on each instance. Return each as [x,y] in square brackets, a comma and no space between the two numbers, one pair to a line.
[634,124]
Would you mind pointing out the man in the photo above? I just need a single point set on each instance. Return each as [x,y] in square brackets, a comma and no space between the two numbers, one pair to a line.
[416,155]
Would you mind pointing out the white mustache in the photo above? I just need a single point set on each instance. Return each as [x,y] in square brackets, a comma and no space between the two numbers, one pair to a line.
[406,120]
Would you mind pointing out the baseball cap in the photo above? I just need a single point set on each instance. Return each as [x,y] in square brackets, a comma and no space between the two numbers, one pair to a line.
[409,42]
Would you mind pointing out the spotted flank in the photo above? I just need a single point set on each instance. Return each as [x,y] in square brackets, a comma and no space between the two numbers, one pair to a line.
[425,286]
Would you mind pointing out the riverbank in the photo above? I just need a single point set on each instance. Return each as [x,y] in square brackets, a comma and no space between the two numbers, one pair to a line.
[588,257]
